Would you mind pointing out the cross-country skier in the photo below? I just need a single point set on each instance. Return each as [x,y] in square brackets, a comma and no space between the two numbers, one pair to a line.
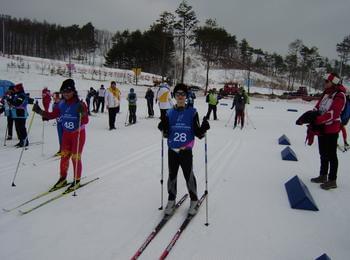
[328,108]
[56,101]
[239,101]
[18,102]
[163,98]
[180,126]
[150,99]
[5,107]
[46,98]
[113,104]
[74,117]
[212,99]
[132,98]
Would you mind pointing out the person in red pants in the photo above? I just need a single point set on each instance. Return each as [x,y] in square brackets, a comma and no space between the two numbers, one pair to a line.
[46,98]
[74,116]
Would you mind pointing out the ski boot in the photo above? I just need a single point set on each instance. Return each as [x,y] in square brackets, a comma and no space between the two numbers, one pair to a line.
[193,207]
[75,185]
[170,207]
[59,184]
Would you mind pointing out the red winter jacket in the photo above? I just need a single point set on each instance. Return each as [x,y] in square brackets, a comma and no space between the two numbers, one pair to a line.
[330,105]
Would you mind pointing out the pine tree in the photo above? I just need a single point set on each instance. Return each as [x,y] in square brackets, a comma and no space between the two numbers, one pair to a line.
[185,26]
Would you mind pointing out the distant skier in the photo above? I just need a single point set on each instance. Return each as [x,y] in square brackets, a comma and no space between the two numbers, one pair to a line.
[56,102]
[91,93]
[5,107]
[74,116]
[163,98]
[101,99]
[343,128]
[18,102]
[191,96]
[132,98]
[212,99]
[239,101]
[113,104]
[180,125]
[46,98]
[150,99]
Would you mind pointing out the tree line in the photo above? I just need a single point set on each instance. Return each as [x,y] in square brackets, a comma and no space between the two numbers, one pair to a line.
[41,39]
[180,31]
[172,35]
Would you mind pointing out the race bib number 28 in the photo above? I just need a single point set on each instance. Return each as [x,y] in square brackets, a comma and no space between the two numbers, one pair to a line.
[180,137]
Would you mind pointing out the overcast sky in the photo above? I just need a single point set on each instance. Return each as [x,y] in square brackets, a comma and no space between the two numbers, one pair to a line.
[267,24]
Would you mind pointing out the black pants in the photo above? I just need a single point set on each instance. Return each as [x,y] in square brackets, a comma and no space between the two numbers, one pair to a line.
[20,125]
[132,114]
[100,102]
[211,108]
[9,126]
[94,104]
[88,104]
[327,146]
[163,114]
[150,107]
[239,115]
[112,114]
[183,159]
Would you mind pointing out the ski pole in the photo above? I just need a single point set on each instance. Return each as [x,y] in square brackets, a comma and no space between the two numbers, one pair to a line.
[42,139]
[161,173]
[6,132]
[206,179]
[249,120]
[23,148]
[77,156]
[229,118]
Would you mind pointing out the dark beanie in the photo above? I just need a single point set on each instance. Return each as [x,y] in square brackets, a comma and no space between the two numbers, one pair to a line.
[68,85]
[181,87]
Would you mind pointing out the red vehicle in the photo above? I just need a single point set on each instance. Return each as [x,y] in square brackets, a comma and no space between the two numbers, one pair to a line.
[230,88]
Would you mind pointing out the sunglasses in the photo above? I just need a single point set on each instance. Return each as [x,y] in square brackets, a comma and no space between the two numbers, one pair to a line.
[180,93]
[67,91]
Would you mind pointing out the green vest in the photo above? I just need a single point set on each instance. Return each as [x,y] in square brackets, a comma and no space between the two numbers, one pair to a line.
[213,99]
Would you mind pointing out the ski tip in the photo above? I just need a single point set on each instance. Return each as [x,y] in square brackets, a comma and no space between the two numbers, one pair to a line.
[6,210]
[21,213]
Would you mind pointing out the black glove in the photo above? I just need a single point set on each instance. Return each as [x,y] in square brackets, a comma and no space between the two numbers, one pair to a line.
[308,117]
[80,108]
[161,128]
[37,109]
[205,124]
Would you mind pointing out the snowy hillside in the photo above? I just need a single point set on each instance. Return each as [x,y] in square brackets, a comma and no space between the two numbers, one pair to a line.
[249,212]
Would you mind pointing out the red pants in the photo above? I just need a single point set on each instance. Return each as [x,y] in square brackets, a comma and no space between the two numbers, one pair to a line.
[69,149]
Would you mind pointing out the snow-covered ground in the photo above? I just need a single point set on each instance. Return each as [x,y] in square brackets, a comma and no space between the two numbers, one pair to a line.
[249,212]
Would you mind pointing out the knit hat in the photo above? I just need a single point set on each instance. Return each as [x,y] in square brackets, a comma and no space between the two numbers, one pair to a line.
[68,85]
[132,90]
[332,77]
[18,87]
[180,87]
